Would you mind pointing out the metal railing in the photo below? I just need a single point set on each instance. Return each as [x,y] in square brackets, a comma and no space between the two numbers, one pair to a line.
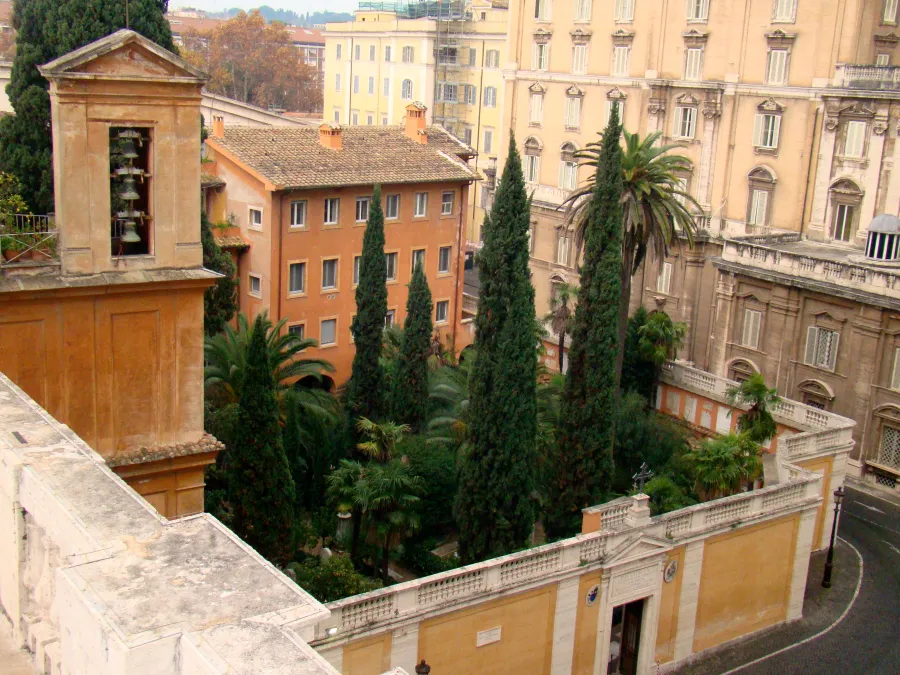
[27,238]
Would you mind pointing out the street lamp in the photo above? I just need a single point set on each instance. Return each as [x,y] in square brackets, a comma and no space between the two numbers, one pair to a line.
[423,668]
[838,497]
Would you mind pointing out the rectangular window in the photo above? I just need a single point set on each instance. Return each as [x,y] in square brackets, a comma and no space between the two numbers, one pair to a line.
[540,54]
[418,258]
[298,330]
[356,261]
[406,90]
[354,117]
[337,116]
[542,10]
[408,53]
[776,71]
[624,10]
[441,311]
[562,248]
[693,64]
[327,332]
[492,58]
[697,10]
[490,97]
[532,168]
[750,334]
[664,280]
[766,130]
[467,135]
[371,52]
[357,50]
[446,203]
[387,53]
[821,347]
[471,94]
[620,61]
[389,317]
[362,209]
[387,86]
[785,10]
[370,118]
[843,222]
[535,108]
[473,56]
[444,259]
[488,141]
[356,84]
[620,104]
[889,452]
[759,206]
[882,59]
[255,286]
[573,112]
[685,122]
[337,82]
[390,263]
[332,207]
[297,278]
[447,92]
[338,51]
[579,59]
[371,85]
[329,273]
[421,204]
[255,219]
[895,373]
[447,56]
[392,207]
[568,175]
[384,119]
[855,143]
[890,11]
[583,10]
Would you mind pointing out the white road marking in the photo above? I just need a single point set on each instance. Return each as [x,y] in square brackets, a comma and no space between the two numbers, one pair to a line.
[866,506]
[871,496]
[820,633]
[870,522]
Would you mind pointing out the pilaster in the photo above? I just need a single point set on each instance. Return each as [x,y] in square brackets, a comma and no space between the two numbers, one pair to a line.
[893,188]
[712,112]
[405,648]
[780,332]
[690,294]
[722,328]
[816,226]
[805,533]
[564,627]
[872,175]
[690,593]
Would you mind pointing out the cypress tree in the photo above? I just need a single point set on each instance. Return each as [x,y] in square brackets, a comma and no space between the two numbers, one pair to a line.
[495,510]
[260,487]
[47,29]
[584,456]
[410,395]
[220,301]
[365,391]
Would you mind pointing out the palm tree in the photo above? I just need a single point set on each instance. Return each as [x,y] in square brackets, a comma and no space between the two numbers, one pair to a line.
[721,465]
[561,313]
[347,491]
[757,422]
[660,338]
[390,496]
[653,204]
[226,358]
[382,438]
[449,389]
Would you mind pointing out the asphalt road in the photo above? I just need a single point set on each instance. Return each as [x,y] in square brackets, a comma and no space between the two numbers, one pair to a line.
[867,640]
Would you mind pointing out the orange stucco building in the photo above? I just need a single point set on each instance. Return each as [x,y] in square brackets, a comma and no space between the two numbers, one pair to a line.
[299,198]
[101,320]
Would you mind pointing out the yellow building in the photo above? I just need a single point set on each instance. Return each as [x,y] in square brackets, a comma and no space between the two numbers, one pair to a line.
[448,56]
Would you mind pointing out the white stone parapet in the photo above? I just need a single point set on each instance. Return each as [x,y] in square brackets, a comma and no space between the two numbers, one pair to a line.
[853,76]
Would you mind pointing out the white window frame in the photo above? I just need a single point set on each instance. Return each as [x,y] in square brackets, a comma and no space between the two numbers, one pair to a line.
[471,94]
[685,122]
[362,204]
[354,117]
[297,329]
[421,205]
[444,251]
[568,174]
[332,211]
[302,289]
[624,11]
[392,207]
[531,166]
[697,10]
[583,10]
[389,317]
[336,280]
[356,84]
[492,58]
[337,115]
[258,279]
[784,11]
[384,119]
[357,259]
[579,59]
[609,107]
[895,371]
[620,60]
[447,204]
[889,15]
[535,109]
[337,81]
[777,66]
[759,207]
[750,329]
[490,97]
[391,256]
[406,90]
[664,278]
[298,213]
[855,139]
[843,214]
[387,86]
[409,54]
[766,130]
[882,59]
[821,349]
[572,115]
[542,10]
[251,218]
[438,307]
[417,256]
[322,323]
[563,247]
[370,119]
[488,144]
[540,56]
[693,64]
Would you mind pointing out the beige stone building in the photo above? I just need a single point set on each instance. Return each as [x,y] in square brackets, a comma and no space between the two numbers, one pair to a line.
[788,112]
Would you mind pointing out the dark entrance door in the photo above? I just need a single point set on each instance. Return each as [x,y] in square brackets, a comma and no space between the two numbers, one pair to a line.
[631,637]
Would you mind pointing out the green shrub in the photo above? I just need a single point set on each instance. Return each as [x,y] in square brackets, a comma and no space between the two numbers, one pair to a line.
[666,496]
[418,556]
[331,579]
[435,464]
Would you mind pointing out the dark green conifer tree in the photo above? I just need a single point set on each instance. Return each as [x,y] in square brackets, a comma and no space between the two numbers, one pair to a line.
[495,508]
[220,301]
[409,403]
[47,29]
[365,391]
[638,375]
[260,487]
[584,456]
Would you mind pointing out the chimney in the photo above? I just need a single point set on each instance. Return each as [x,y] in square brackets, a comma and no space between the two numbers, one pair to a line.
[415,122]
[218,128]
[330,136]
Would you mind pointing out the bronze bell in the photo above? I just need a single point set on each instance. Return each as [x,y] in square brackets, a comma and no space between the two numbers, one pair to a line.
[131,236]
[128,191]
[128,150]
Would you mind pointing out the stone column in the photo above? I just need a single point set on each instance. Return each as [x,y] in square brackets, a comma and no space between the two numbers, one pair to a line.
[722,327]
[564,626]
[687,603]
[779,335]
[805,533]
[690,296]
[892,201]
[872,177]
[816,226]
[862,372]
[405,648]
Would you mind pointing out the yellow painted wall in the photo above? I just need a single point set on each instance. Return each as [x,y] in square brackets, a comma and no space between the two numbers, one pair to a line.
[447,643]
[746,581]
[668,610]
[821,465]
[586,621]
[367,657]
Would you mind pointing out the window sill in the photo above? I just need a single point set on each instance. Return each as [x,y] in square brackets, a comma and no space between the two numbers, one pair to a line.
[441,323]
[331,226]
[448,216]
[819,369]
[698,21]
[784,21]
[443,275]
[330,345]
[883,467]
[301,294]
[420,217]
[254,295]
[255,229]
[535,124]
[760,150]
[298,228]
[328,291]
[573,129]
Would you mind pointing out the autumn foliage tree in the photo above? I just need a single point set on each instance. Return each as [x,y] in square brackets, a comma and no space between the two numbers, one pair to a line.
[254,62]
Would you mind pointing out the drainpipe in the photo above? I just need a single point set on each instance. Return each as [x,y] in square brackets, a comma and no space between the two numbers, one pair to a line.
[457,297]
[277,197]
[477,140]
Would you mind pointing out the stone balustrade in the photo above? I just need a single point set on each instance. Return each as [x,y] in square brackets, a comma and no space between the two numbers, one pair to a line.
[761,253]
[852,76]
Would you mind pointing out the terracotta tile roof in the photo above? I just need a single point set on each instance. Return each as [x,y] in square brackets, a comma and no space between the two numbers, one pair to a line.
[291,157]
[208,180]
[232,241]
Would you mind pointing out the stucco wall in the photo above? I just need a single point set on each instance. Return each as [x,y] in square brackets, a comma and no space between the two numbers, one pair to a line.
[667,629]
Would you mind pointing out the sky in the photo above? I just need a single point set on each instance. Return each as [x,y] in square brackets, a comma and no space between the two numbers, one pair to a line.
[295,5]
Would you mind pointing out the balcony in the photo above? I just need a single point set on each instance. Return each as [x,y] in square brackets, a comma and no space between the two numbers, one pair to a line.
[849,76]
[27,241]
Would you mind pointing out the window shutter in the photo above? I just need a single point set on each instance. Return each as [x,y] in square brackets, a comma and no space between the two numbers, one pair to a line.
[833,350]
[535,57]
[758,127]
[760,207]
[812,337]
[776,130]
[895,375]
[562,174]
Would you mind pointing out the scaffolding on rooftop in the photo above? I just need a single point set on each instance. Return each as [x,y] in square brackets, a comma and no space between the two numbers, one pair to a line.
[442,10]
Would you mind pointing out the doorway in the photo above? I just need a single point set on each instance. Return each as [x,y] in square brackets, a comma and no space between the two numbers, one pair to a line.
[624,638]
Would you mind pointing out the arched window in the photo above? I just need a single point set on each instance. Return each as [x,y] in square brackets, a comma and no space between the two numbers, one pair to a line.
[740,370]
[406,90]
[846,198]
[532,164]
[816,394]
[761,193]
[568,167]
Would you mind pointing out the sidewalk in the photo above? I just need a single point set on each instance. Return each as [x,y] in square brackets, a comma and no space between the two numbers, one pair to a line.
[821,608]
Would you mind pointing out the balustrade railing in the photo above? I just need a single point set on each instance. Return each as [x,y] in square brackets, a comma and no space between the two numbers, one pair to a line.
[852,76]
[27,238]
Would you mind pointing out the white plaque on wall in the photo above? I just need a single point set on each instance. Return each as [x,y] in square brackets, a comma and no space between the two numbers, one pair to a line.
[487,637]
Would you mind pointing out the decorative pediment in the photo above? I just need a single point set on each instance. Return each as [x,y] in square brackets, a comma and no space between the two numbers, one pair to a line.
[615,94]
[751,299]
[640,546]
[888,412]
[825,320]
[780,40]
[695,38]
[574,90]
[687,99]
[580,37]
[123,55]
[770,105]
[622,38]
[887,41]
[542,35]
[537,88]
[857,109]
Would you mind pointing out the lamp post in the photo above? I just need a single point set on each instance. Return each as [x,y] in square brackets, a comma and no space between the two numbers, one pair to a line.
[829,564]
[423,668]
